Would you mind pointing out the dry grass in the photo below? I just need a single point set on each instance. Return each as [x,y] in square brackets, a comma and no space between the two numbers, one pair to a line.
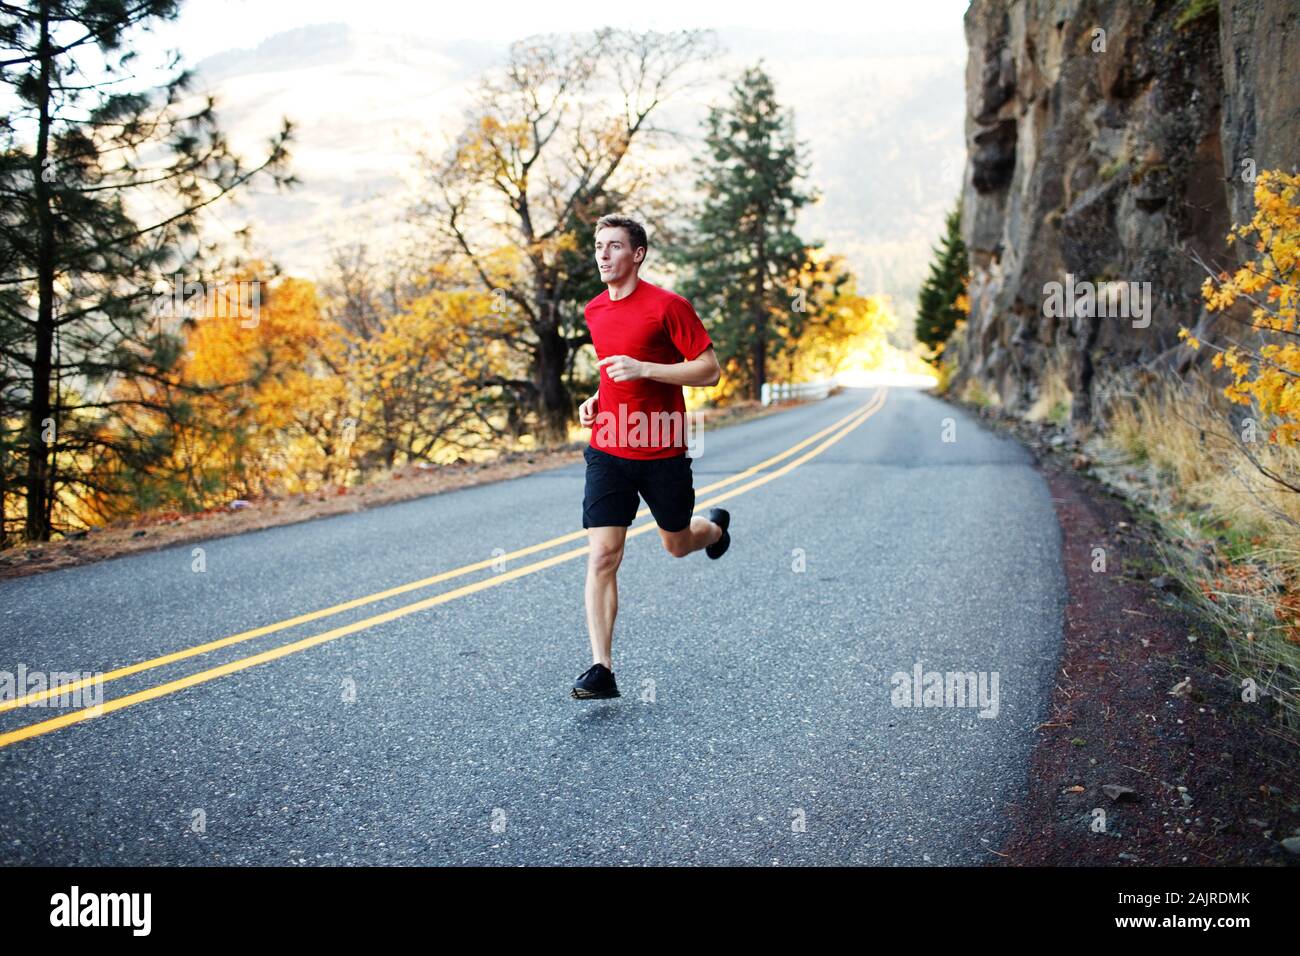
[1181,430]
[1054,395]
[973,392]
[1234,534]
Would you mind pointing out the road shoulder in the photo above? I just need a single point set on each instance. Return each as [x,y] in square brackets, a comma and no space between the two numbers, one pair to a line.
[165,529]
[1148,755]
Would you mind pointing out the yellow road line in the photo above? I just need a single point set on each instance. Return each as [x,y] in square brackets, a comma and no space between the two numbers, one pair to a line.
[242,636]
[874,404]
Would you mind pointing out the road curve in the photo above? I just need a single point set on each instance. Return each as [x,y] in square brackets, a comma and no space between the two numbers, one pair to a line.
[760,721]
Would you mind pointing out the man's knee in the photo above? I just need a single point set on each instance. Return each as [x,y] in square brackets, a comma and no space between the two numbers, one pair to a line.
[605,558]
[678,544]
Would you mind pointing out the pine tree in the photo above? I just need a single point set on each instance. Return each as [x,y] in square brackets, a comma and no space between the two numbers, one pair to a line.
[937,312]
[80,157]
[743,258]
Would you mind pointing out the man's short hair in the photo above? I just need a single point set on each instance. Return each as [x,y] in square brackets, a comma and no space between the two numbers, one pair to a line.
[635,231]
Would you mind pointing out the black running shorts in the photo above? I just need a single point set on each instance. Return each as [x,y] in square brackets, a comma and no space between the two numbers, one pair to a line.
[613,484]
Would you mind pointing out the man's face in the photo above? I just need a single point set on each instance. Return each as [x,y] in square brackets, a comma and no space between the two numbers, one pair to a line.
[614,254]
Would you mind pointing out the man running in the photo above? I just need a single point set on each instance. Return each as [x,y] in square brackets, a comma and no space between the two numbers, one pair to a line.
[649,343]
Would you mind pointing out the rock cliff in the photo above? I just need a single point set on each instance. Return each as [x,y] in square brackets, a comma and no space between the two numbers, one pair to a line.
[1110,143]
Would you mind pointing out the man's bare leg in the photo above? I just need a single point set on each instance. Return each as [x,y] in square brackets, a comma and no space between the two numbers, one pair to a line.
[700,533]
[602,589]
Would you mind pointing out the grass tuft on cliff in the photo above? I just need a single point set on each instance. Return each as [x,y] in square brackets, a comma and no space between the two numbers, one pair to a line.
[1194,10]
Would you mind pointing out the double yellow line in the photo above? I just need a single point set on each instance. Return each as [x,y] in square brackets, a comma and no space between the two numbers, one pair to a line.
[836,431]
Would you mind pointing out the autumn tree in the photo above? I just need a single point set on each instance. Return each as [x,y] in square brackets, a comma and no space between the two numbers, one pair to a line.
[211,422]
[544,152]
[83,157]
[1264,361]
[419,340]
[743,256]
[841,326]
[363,296]
[422,370]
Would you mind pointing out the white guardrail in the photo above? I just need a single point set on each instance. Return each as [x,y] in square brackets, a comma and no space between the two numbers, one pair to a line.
[804,391]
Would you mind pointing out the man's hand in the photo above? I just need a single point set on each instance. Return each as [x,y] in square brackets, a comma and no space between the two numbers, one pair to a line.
[587,411]
[623,368]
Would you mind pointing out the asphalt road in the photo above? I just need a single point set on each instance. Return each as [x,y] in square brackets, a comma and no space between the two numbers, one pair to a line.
[758,722]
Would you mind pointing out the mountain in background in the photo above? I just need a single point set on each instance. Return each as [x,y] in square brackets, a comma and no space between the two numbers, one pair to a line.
[882,122]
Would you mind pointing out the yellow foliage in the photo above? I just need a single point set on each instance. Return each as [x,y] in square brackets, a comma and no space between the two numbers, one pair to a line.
[962,302]
[1268,378]
[842,331]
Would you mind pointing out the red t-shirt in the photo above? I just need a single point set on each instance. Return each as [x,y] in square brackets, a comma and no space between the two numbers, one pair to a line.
[652,325]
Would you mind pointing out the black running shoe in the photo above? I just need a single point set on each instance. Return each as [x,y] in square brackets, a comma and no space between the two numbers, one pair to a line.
[722,518]
[597,681]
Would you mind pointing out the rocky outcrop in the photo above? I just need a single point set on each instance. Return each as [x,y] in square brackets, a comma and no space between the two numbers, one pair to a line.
[1261,90]
[1110,144]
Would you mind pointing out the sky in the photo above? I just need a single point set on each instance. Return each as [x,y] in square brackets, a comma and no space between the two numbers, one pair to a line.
[205,27]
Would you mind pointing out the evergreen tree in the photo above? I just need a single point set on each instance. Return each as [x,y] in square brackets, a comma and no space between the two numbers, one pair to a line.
[744,258]
[937,312]
[81,157]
